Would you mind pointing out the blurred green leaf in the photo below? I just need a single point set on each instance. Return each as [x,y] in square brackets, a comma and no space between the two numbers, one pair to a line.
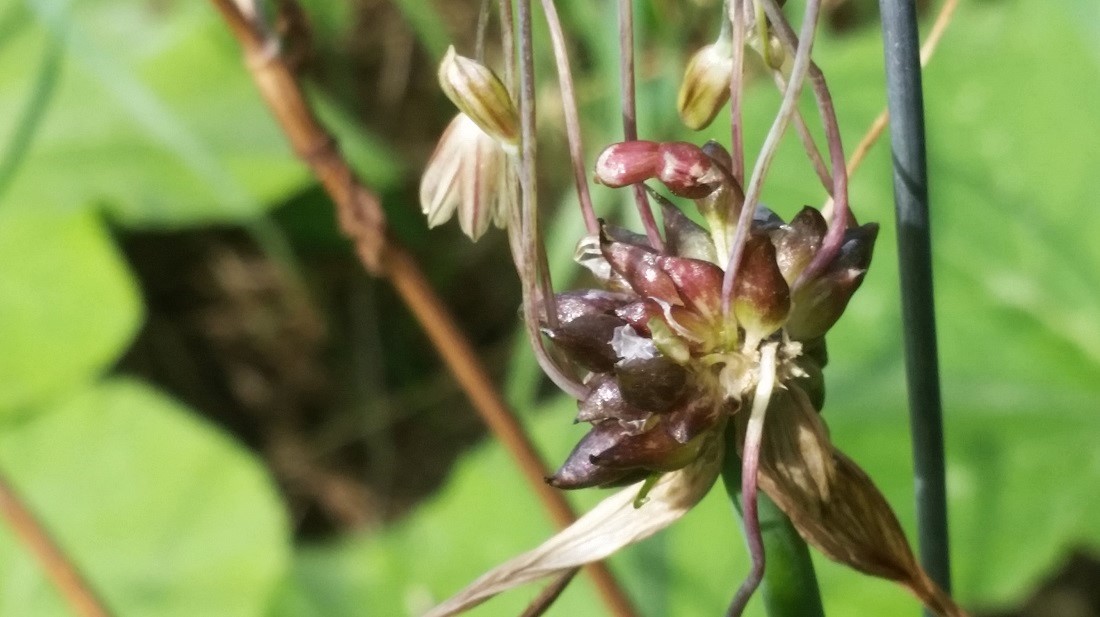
[68,305]
[165,515]
[49,68]
[154,116]
[428,24]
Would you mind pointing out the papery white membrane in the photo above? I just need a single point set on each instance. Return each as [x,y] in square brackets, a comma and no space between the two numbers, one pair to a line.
[590,256]
[613,524]
[628,345]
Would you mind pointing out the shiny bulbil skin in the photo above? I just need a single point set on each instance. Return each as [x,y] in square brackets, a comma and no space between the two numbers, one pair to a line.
[667,363]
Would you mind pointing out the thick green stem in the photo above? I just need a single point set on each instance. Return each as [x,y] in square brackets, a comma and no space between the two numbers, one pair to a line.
[790,584]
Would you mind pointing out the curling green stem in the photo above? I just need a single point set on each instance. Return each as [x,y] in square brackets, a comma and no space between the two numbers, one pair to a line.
[790,584]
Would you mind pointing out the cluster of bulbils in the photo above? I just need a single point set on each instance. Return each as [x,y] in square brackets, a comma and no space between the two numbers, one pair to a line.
[667,363]
[673,348]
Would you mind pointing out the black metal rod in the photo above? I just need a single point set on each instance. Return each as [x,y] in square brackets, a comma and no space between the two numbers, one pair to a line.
[905,98]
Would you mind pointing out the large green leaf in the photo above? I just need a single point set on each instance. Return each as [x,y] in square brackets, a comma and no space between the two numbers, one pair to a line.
[68,305]
[165,515]
[154,115]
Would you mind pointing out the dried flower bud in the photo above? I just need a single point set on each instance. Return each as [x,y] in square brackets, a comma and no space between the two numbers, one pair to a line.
[480,94]
[465,173]
[761,300]
[706,85]
[819,303]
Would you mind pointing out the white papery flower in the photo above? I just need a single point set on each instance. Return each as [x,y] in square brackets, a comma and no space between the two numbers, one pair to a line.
[466,173]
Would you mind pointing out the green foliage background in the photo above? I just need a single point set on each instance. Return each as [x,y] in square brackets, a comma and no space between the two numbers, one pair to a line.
[142,115]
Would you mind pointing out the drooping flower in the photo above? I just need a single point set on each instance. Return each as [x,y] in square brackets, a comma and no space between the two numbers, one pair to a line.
[467,174]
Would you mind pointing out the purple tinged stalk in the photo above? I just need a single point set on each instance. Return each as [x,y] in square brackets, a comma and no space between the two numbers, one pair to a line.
[835,236]
[630,114]
[736,12]
[572,121]
[771,143]
[807,138]
[750,464]
[534,275]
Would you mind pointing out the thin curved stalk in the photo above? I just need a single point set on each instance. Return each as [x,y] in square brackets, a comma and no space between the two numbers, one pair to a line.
[830,246]
[750,465]
[808,144]
[927,50]
[799,70]
[630,113]
[735,12]
[572,119]
[789,588]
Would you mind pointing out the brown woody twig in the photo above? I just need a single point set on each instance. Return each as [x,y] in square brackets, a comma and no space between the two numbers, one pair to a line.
[59,568]
[362,220]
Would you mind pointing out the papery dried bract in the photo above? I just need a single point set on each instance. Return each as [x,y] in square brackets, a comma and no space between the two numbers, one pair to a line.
[833,504]
[614,523]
